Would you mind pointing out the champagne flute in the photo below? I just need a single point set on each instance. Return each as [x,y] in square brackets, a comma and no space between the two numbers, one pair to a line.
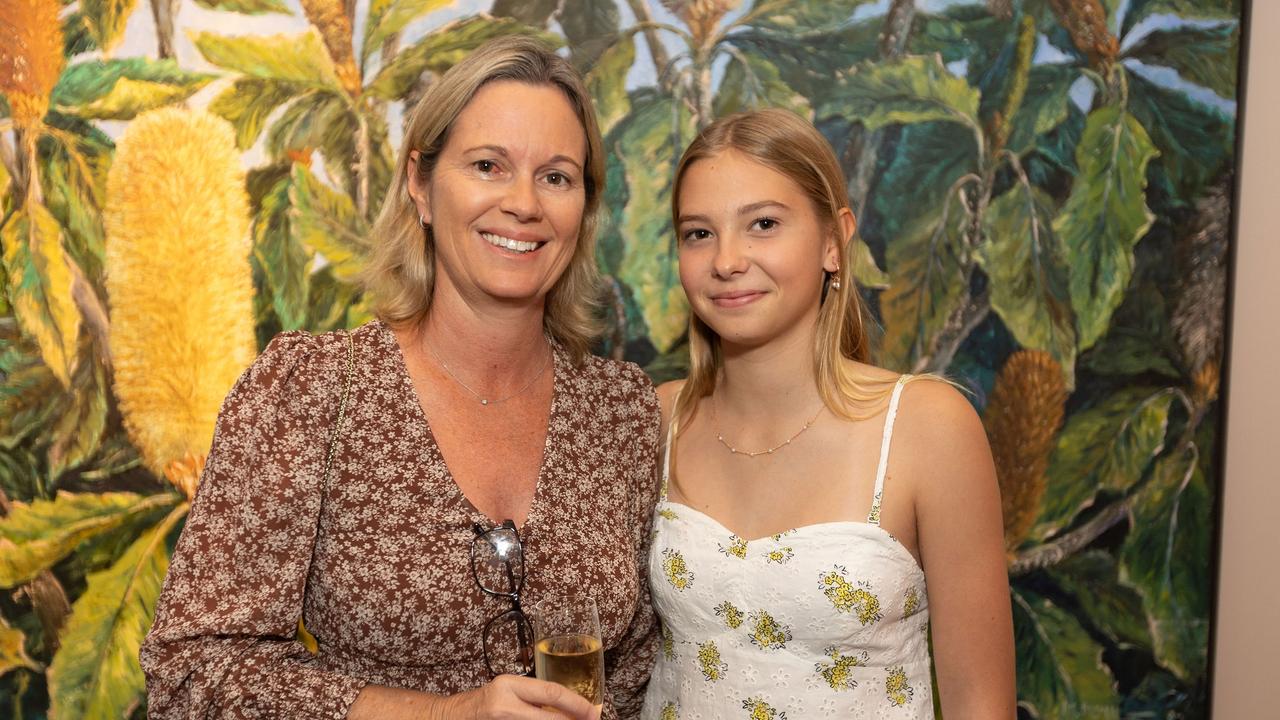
[567,648]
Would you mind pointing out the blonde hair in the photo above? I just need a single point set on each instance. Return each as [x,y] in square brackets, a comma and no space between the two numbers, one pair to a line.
[782,141]
[400,276]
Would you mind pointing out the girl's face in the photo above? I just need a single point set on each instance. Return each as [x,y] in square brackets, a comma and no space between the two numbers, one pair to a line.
[753,249]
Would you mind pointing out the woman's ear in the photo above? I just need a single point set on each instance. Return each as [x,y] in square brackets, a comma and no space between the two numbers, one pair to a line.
[419,189]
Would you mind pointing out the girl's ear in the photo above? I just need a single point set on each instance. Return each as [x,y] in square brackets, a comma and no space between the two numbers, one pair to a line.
[848,225]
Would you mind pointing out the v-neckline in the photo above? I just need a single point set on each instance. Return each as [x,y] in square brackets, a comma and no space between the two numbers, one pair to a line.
[437,454]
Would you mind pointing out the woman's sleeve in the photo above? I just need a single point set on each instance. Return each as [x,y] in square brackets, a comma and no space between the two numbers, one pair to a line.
[223,641]
[628,664]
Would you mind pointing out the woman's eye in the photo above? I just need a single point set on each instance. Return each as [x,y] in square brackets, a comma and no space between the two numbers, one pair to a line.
[485,166]
[557,179]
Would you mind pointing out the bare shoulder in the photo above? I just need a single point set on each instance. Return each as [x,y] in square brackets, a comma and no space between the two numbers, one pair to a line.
[939,436]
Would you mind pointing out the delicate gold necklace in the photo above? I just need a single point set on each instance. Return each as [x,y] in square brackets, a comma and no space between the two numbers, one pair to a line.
[484,400]
[766,451]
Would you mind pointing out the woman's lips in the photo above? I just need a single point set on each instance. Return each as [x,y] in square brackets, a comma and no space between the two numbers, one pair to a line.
[737,298]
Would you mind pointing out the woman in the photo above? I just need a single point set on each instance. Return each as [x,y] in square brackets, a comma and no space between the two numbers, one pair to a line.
[482,461]
[791,549]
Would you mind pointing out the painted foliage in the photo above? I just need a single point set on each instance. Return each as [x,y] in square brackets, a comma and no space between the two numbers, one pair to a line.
[1044,193]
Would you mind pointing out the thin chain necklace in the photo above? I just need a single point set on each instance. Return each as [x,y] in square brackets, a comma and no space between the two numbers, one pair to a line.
[484,400]
[766,451]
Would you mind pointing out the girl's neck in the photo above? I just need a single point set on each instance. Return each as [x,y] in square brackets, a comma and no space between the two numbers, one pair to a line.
[770,383]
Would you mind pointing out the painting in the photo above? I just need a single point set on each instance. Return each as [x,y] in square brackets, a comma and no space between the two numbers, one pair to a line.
[1044,190]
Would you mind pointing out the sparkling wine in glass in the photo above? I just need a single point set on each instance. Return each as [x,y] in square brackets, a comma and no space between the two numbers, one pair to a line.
[567,648]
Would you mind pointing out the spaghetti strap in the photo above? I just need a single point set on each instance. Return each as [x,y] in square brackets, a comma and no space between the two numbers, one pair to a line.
[666,451]
[873,517]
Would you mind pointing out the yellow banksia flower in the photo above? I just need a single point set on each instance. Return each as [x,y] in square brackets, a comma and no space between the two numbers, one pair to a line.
[179,283]
[330,18]
[30,57]
[1022,421]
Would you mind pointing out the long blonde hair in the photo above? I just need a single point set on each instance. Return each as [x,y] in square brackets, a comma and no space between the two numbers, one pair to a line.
[400,276]
[782,141]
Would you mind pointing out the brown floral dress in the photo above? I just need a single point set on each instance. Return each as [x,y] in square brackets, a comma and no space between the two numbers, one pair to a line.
[377,562]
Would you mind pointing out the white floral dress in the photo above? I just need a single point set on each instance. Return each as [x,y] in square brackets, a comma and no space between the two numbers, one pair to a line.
[826,620]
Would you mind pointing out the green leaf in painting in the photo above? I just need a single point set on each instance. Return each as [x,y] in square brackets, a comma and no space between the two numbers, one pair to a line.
[120,89]
[13,651]
[607,82]
[25,408]
[440,50]
[1105,216]
[77,434]
[751,81]
[46,531]
[926,161]
[1044,107]
[1195,140]
[590,27]
[298,59]
[1206,56]
[1092,579]
[1107,446]
[649,144]
[1139,10]
[248,103]
[326,221]
[316,121]
[1060,668]
[106,20]
[40,287]
[388,17]
[95,673]
[911,90]
[929,284]
[803,15]
[1166,558]
[1139,339]
[1024,261]
[248,7]
[285,262]
[812,64]
[865,271]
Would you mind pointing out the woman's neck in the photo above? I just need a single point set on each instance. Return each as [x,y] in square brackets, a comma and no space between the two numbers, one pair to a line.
[490,344]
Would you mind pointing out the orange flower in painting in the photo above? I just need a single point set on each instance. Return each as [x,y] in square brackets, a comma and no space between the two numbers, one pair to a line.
[30,57]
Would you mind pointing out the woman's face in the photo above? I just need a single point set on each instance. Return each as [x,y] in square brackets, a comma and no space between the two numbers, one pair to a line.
[752,249]
[506,196]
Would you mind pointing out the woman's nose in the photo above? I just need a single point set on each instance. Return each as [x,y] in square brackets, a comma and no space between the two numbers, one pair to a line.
[521,200]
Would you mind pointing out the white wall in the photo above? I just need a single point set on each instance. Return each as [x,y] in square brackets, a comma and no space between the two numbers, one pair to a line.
[1248,634]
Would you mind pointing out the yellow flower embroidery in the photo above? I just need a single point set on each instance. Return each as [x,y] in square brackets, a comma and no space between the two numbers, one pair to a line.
[896,686]
[732,615]
[668,514]
[913,602]
[847,598]
[669,712]
[767,632]
[780,556]
[713,668]
[839,673]
[737,547]
[674,567]
[784,533]
[761,710]
[668,644]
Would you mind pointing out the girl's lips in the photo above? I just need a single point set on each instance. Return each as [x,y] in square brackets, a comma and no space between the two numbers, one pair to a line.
[736,299]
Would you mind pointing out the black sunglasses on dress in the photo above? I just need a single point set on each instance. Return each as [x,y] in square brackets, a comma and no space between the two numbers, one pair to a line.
[497,564]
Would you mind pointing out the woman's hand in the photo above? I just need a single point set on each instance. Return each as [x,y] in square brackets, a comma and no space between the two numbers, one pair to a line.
[511,696]
[507,697]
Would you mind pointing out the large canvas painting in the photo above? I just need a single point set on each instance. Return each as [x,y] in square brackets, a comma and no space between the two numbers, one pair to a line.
[1044,190]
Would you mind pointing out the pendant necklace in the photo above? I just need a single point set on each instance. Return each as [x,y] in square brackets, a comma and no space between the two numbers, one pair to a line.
[766,451]
[484,400]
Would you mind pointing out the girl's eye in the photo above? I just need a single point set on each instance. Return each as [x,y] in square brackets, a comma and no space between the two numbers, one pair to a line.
[765,223]
[696,234]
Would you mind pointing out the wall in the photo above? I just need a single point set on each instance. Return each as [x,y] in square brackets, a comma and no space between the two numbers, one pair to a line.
[1247,631]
